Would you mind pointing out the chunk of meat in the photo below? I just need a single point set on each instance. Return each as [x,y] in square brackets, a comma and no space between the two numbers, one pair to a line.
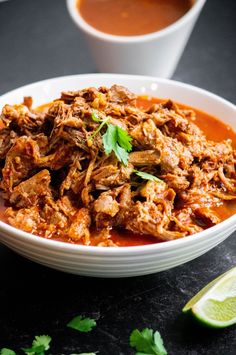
[30,192]
[106,204]
[7,139]
[19,162]
[111,206]
[147,135]
[145,157]
[28,101]
[102,238]
[203,149]
[21,117]
[152,189]
[184,221]
[109,176]
[230,184]
[201,177]
[79,228]
[176,182]
[26,219]
[25,155]
[119,93]
[173,155]
[147,218]
[197,198]
[206,216]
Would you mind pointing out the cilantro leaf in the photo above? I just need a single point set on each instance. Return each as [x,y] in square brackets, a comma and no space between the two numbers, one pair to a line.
[117,140]
[82,324]
[40,344]
[147,343]
[95,117]
[34,350]
[42,340]
[124,139]
[109,139]
[114,139]
[121,154]
[146,176]
[6,351]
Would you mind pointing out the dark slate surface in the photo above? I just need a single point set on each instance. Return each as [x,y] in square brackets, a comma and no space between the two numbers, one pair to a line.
[37,41]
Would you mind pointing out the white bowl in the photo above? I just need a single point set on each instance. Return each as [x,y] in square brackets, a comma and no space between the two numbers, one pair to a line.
[123,261]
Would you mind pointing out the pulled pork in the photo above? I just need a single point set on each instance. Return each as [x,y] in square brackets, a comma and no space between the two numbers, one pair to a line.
[60,183]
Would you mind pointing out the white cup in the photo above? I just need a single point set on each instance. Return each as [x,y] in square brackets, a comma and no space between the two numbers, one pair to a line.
[155,54]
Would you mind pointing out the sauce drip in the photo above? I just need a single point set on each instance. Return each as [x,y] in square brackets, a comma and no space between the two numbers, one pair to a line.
[132,17]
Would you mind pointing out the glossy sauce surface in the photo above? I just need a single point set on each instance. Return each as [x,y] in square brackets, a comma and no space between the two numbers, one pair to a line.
[132,17]
[212,127]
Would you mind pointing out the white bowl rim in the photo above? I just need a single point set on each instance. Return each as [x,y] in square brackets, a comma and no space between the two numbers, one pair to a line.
[78,19]
[109,251]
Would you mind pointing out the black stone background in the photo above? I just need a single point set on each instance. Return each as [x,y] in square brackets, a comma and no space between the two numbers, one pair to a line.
[37,41]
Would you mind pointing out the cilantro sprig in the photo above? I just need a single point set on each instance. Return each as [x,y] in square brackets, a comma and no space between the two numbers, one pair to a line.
[146,342]
[115,139]
[40,344]
[82,324]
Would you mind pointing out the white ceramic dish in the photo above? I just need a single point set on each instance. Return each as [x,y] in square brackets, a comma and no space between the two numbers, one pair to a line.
[124,261]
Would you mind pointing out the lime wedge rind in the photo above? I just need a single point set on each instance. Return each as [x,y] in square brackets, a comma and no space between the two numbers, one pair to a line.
[215,305]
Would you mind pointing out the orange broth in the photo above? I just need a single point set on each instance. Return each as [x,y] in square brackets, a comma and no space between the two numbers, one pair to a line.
[132,17]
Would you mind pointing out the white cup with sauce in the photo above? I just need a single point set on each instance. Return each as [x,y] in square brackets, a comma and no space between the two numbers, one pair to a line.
[155,53]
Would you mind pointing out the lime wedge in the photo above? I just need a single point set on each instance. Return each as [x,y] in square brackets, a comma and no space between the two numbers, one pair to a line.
[215,305]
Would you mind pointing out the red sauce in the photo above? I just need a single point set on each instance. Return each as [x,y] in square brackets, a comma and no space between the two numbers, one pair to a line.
[132,17]
[125,238]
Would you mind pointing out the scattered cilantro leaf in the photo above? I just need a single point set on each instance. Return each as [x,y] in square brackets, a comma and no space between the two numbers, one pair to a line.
[34,350]
[42,340]
[147,343]
[82,324]
[117,140]
[146,176]
[95,117]
[6,351]
[40,344]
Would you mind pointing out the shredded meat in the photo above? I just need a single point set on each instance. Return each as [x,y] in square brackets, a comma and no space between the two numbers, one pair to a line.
[60,183]
[29,192]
